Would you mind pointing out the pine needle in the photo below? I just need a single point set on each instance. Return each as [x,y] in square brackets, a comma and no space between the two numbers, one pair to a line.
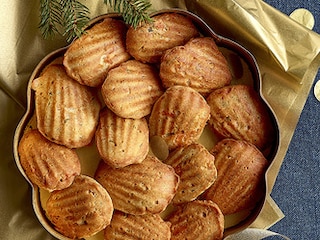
[50,11]
[133,11]
[69,17]
[75,17]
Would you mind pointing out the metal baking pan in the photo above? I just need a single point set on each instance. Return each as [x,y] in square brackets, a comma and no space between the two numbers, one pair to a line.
[245,70]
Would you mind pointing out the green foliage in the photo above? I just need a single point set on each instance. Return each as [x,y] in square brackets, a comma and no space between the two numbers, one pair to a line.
[68,17]
[50,21]
[74,17]
[132,11]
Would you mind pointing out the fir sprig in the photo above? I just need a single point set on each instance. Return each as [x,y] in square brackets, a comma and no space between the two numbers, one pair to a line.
[50,17]
[133,11]
[75,17]
[68,17]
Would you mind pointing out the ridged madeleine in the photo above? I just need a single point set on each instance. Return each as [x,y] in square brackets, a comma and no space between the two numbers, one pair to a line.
[198,64]
[121,141]
[148,41]
[48,165]
[143,188]
[241,168]
[195,166]
[238,112]
[179,116]
[132,227]
[67,112]
[93,54]
[81,210]
[131,89]
[199,219]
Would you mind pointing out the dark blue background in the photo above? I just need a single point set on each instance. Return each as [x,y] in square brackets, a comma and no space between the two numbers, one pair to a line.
[297,190]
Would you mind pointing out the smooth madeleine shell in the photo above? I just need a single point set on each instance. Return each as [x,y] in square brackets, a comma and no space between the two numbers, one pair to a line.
[199,219]
[238,112]
[198,64]
[241,168]
[148,42]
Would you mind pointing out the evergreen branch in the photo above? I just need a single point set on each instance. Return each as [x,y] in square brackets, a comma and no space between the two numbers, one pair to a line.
[133,11]
[69,17]
[50,11]
[75,17]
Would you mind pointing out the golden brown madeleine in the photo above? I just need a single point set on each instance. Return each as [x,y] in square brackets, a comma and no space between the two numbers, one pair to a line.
[48,165]
[122,141]
[238,112]
[200,219]
[198,64]
[195,166]
[179,116]
[148,42]
[67,112]
[241,168]
[132,227]
[81,210]
[102,47]
[131,89]
[138,189]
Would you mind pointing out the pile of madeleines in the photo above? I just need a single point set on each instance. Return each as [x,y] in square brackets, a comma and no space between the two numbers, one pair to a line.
[120,87]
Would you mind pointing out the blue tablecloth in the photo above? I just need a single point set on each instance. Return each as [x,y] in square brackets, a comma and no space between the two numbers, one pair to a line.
[297,190]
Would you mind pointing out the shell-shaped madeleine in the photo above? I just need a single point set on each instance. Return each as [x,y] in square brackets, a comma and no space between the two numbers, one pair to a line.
[238,112]
[179,116]
[195,166]
[142,188]
[241,168]
[122,141]
[102,47]
[81,210]
[132,227]
[67,112]
[131,89]
[198,64]
[148,41]
[199,219]
[48,165]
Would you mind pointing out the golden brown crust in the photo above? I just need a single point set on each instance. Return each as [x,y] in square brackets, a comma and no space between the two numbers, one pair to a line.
[179,116]
[131,89]
[241,168]
[238,112]
[132,227]
[102,47]
[199,219]
[195,166]
[138,189]
[67,112]
[48,165]
[81,210]
[148,42]
[198,64]
[122,141]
